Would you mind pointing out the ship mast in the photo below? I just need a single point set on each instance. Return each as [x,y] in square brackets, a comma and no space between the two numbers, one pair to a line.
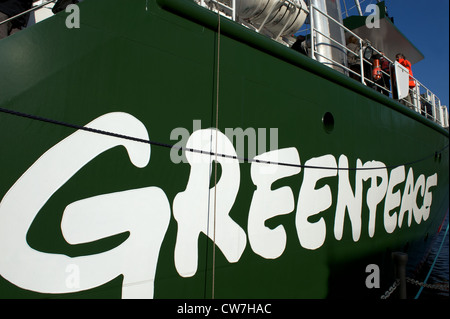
[358,6]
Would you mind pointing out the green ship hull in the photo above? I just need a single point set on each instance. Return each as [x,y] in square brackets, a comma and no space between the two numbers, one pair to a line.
[122,173]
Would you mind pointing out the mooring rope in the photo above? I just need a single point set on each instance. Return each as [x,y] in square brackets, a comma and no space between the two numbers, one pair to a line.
[215,151]
[436,154]
[432,265]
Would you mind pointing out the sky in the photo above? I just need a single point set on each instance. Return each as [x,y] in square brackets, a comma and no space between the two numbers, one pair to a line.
[426,25]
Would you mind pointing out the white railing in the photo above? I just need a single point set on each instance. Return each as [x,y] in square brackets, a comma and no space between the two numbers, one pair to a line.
[224,7]
[423,100]
[38,6]
[287,10]
[428,104]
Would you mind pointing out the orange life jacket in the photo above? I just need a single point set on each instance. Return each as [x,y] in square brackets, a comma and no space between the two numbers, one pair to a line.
[376,72]
[407,65]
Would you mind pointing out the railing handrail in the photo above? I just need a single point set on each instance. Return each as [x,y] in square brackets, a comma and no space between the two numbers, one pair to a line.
[28,11]
[419,103]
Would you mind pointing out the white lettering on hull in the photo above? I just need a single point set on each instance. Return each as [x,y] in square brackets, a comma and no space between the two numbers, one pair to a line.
[145,212]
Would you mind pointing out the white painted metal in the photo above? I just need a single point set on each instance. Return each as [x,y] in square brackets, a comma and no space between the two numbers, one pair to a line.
[273,17]
[358,6]
[329,33]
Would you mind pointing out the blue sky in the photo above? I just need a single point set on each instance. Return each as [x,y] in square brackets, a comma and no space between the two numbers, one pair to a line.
[426,25]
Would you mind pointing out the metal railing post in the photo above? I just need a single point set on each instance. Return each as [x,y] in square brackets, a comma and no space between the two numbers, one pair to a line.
[313,37]
[361,60]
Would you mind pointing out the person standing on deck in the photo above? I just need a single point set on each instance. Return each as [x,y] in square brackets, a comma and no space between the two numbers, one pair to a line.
[400,57]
